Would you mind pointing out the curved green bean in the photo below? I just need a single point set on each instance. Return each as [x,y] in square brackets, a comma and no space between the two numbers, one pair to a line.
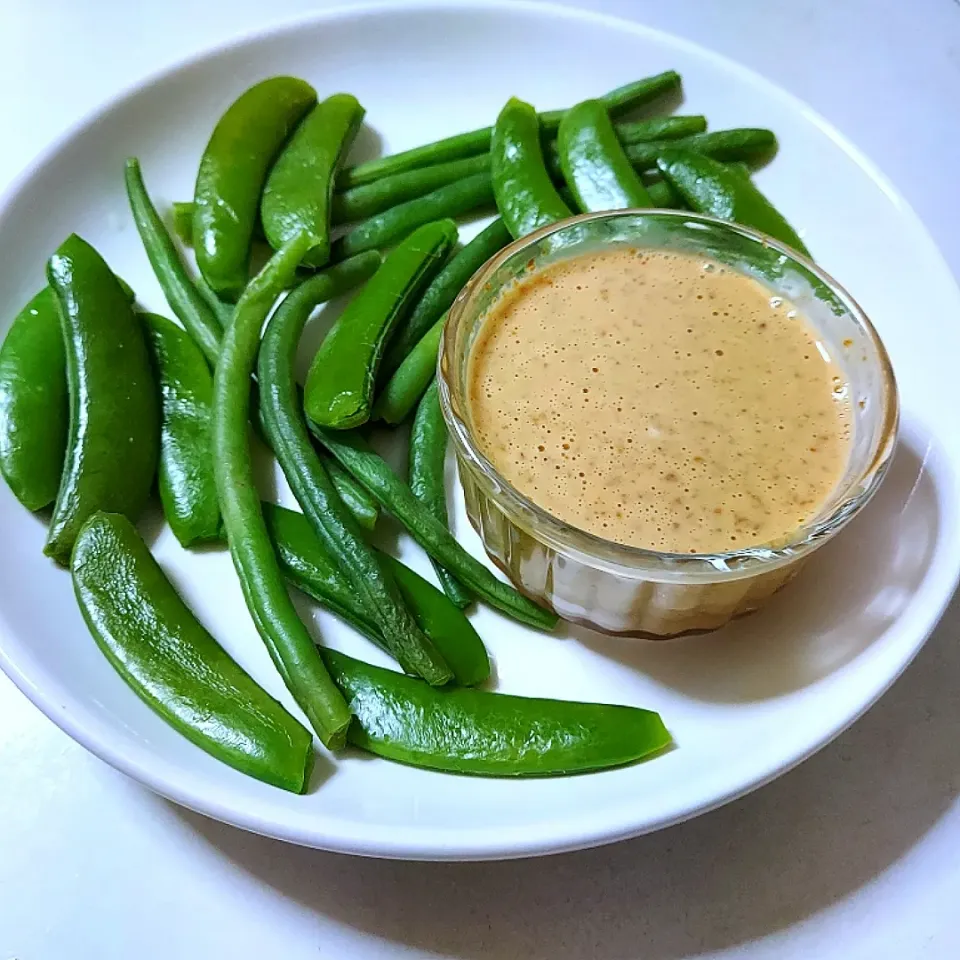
[405,388]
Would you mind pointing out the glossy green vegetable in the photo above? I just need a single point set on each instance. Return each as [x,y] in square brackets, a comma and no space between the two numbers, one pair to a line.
[364,508]
[290,645]
[340,384]
[185,300]
[488,734]
[411,378]
[188,490]
[663,196]
[594,164]
[299,190]
[428,457]
[375,474]
[233,169]
[658,128]
[385,229]
[181,218]
[711,187]
[307,565]
[443,291]
[331,521]
[114,432]
[619,101]
[221,309]
[525,194]
[167,658]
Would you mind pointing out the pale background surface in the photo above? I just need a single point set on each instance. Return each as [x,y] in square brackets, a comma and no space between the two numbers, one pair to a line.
[853,855]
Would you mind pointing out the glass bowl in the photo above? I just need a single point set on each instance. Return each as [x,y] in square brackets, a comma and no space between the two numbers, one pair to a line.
[623,589]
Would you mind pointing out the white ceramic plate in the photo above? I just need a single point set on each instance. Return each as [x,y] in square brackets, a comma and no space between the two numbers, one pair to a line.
[744,704]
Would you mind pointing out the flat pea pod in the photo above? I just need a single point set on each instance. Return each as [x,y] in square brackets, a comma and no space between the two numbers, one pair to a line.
[711,187]
[394,495]
[404,389]
[114,430]
[333,524]
[290,645]
[308,566]
[299,190]
[525,194]
[385,229]
[188,490]
[428,456]
[340,383]
[174,666]
[619,101]
[441,293]
[489,734]
[594,164]
[193,311]
[233,169]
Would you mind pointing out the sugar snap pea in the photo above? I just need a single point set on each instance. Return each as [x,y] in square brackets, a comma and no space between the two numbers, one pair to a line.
[428,457]
[185,300]
[307,565]
[234,166]
[162,652]
[385,229]
[375,474]
[342,376]
[594,164]
[488,734]
[188,490]
[525,194]
[288,641]
[711,187]
[114,430]
[412,377]
[619,101]
[441,293]
[331,521]
[299,189]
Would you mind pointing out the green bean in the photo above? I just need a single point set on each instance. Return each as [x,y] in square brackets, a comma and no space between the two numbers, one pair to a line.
[340,384]
[525,194]
[308,566]
[619,102]
[411,378]
[299,191]
[454,200]
[443,291]
[178,288]
[181,219]
[663,196]
[290,645]
[658,128]
[222,309]
[311,485]
[394,495]
[364,508]
[428,456]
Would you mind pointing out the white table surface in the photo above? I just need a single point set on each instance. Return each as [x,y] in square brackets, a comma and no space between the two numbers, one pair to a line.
[853,855]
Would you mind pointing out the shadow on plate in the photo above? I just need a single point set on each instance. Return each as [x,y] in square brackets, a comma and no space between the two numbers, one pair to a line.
[848,594]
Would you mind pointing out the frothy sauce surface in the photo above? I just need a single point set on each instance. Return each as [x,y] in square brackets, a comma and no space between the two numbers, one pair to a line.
[660,400]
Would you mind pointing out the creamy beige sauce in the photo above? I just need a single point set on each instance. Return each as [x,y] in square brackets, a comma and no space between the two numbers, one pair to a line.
[659,400]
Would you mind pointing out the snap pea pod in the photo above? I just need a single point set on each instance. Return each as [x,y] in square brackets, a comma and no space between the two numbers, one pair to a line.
[441,293]
[393,225]
[375,474]
[488,734]
[233,169]
[299,190]
[183,297]
[342,376]
[594,164]
[525,194]
[165,656]
[290,645]
[619,101]
[712,188]
[114,430]
[411,378]
[428,456]
[307,565]
[331,521]
[188,490]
